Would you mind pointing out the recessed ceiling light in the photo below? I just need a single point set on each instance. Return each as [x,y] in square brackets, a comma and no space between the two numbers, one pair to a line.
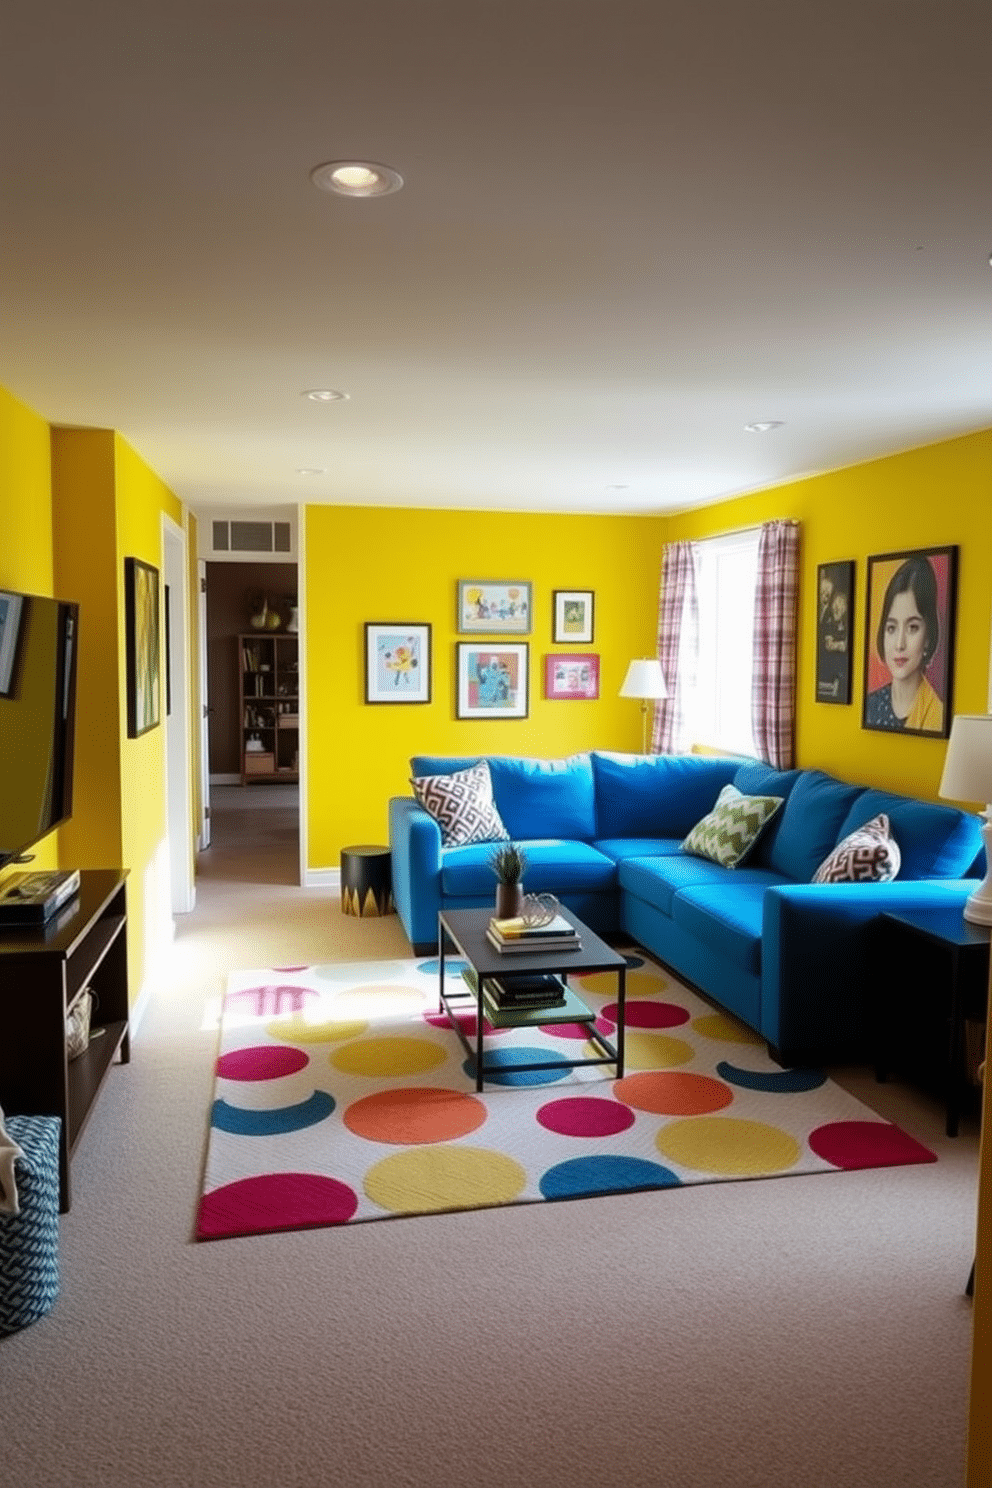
[763,427]
[310,470]
[356,178]
[324,395]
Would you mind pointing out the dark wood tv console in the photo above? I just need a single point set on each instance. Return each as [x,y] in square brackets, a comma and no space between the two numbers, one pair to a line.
[42,973]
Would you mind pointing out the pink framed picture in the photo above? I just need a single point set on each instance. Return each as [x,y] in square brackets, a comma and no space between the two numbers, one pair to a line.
[567,678]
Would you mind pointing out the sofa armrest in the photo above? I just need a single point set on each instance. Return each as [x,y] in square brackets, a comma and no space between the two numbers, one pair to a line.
[818,963]
[415,848]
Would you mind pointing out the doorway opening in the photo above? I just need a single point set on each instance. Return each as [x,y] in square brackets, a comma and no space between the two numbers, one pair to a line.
[252,721]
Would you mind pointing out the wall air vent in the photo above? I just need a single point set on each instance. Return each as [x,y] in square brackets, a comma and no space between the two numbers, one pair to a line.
[242,537]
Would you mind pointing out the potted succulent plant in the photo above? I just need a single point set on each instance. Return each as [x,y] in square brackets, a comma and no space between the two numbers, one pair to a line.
[508,862]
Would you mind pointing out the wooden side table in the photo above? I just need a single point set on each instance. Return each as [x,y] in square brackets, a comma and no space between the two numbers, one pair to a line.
[366,881]
[914,939]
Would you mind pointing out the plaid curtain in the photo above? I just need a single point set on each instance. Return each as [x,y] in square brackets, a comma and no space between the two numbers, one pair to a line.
[773,680]
[678,642]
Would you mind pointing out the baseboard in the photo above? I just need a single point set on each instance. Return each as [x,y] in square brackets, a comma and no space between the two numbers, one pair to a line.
[322,878]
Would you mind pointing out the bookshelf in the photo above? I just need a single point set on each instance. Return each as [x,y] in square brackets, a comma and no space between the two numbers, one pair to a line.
[269,706]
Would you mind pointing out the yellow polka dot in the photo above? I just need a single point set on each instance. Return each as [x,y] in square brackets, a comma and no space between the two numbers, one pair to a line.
[639,983]
[300,1030]
[650,1051]
[431,1179]
[728,1030]
[726,1145]
[388,1056]
[379,1000]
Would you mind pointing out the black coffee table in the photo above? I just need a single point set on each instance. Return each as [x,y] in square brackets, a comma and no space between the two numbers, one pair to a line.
[465,929]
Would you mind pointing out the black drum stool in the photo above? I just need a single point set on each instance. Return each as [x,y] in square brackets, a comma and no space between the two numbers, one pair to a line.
[366,881]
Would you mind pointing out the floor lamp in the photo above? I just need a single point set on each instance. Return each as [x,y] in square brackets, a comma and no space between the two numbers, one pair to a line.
[968,777]
[644,680]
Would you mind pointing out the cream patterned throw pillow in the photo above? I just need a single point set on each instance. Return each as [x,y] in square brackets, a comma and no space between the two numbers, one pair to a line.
[869,855]
[462,805]
[727,833]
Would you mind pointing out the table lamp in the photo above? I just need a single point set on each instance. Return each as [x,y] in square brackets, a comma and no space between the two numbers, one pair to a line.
[644,680]
[968,777]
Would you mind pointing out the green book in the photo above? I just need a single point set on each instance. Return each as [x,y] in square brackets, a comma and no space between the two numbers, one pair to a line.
[571,1010]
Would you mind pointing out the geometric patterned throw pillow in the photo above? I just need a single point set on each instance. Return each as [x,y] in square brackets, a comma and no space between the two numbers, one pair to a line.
[728,832]
[869,855]
[462,805]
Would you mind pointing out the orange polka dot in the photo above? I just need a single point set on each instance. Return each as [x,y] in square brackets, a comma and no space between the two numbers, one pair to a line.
[415,1115]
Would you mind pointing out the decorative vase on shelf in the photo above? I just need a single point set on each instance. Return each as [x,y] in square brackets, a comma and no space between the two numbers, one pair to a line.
[260,619]
[293,623]
[508,862]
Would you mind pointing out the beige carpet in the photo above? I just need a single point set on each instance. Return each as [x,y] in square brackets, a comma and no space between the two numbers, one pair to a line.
[756,1335]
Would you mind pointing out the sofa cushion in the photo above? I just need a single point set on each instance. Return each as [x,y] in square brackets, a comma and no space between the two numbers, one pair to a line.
[867,855]
[935,841]
[758,779]
[658,795]
[553,867]
[810,826]
[728,832]
[621,848]
[545,797]
[658,880]
[462,805]
[728,924]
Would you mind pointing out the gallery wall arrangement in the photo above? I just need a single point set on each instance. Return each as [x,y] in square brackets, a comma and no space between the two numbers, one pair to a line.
[492,678]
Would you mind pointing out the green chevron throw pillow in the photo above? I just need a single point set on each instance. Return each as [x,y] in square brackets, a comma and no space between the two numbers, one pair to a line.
[727,833]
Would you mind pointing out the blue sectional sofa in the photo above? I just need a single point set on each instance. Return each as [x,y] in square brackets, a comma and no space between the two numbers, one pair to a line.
[603,831]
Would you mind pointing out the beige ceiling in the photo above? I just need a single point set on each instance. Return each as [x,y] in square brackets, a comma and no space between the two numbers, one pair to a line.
[628,228]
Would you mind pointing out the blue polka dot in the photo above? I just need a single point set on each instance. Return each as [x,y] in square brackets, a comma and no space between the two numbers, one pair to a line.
[500,1066]
[603,1175]
[244,1123]
[781,1082]
[433,967]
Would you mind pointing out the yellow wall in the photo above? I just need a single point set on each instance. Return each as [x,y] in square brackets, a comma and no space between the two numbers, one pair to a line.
[931,497]
[26,561]
[76,502]
[86,571]
[383,565]
[141,500]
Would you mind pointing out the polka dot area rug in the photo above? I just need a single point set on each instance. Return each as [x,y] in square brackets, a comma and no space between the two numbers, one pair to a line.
[343,1095]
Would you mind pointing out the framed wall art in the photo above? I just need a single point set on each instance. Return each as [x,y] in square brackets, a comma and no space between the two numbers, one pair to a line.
[141,618]
[573,616]
[570,678]
[397,662]
[492,680]
[497,607]
[909,641]
[834,631]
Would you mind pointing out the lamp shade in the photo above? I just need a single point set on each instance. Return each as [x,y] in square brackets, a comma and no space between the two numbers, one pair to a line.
[644,680]
[968,763]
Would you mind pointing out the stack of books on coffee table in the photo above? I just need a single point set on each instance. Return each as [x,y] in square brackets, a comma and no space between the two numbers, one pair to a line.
[528,998]
[522,937]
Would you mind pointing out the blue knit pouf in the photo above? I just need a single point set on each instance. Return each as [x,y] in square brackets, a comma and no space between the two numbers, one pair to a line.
[29,1241]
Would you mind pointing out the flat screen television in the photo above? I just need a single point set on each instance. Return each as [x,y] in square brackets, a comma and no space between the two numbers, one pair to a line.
[38,645]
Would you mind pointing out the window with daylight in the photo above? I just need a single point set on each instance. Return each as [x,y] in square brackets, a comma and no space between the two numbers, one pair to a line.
[717,708]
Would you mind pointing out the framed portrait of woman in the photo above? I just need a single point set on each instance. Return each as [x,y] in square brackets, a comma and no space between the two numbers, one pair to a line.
[909,641]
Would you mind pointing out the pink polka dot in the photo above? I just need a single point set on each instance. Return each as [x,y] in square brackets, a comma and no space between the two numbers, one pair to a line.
[467,1024]
[271,1000]
[274,1201]
[585,1116]
[867,1144]
[641,1014]
[576,1030]
[261,1063]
